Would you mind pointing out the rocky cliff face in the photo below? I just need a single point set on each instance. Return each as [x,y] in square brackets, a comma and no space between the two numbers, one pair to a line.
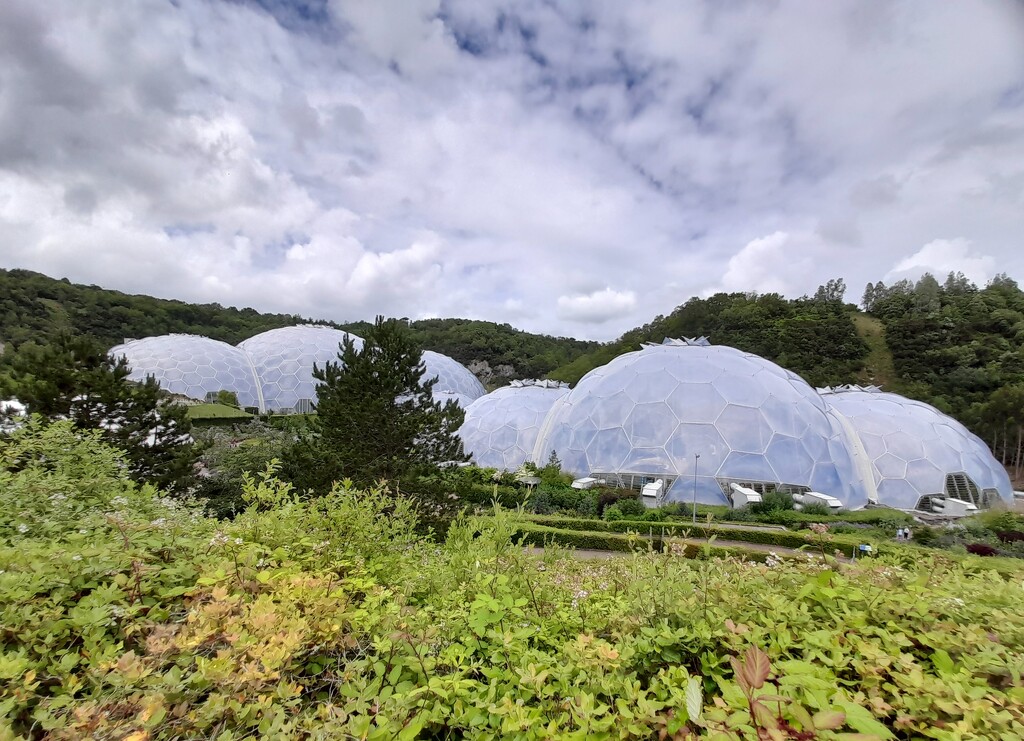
[494,377]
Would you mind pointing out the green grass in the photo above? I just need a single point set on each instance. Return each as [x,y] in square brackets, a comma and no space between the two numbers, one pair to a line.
[201,412]
[878,368]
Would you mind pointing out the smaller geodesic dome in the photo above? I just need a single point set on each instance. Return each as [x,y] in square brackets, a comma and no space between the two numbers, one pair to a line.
[284,360]
[700,418]
[193,366]
[909,452]
[501,427]
[454,380]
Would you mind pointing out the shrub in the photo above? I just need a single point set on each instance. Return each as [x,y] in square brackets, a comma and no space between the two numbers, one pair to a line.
[816,509]
[606,497]
[332,618]
[631,508]
[981,549]
[613,512]
[1010,536]
[924,535]
[773,501]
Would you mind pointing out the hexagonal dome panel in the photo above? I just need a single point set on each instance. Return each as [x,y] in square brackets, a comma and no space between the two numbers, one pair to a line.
[519,409]
[290,353]
[453,379]
[905,448]
[729,405]
[192,366]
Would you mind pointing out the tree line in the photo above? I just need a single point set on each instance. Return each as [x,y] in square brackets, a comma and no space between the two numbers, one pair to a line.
[36,309]
[812,336]
[960,348]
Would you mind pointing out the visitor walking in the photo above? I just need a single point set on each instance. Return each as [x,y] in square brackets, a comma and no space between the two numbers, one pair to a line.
[906,534]
[899,534]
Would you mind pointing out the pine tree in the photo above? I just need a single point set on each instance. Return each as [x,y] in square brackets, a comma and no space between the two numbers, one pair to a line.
[376,417]
[75,379]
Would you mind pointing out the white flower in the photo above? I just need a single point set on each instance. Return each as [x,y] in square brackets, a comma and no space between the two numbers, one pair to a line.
[76,557]
[83,531]
[238,541]
[23,528]
[219,539]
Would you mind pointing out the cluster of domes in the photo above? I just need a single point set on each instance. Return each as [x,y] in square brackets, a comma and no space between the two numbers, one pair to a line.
[272,371]
[701,418]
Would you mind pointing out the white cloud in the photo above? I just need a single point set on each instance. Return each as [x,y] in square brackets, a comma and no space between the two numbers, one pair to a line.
[505,160]
[790,264]
[596,307]
[943,256]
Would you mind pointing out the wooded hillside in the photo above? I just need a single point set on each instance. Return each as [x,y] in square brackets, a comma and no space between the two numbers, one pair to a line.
[35,308]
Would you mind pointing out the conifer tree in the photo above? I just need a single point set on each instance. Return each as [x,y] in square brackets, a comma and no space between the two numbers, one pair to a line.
[376,417]
[75,379]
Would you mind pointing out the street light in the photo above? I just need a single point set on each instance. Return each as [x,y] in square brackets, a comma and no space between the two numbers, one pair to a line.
[696,456]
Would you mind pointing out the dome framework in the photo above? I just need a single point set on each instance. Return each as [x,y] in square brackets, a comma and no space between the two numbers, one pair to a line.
[193,366]
[699,417]
[501,428]
[910,453]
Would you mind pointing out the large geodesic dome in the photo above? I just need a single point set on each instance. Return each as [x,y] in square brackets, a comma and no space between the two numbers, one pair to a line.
[700,418]
[501,427]
[192,366]
[284,360]
[454,380]
[912,452]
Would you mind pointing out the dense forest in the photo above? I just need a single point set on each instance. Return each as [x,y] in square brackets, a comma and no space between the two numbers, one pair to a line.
[961,349]
[815,337]
[35,309]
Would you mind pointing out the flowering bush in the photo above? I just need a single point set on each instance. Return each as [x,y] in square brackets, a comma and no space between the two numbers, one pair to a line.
[332,618]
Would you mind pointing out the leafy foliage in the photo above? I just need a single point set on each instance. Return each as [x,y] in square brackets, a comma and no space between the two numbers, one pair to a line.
[959,348]
[75,379]
[376,418]
[132,616]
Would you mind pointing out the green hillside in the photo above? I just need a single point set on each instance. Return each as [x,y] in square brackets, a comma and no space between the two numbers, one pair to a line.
[35,308]
[815,337]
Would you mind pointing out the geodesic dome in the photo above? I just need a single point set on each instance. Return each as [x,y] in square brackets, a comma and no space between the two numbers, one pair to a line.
[192,366]
[454,380]
[501,427]
[649,414]
[910,452]
[284,360]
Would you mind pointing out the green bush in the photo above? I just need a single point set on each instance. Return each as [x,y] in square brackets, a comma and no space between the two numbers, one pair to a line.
[631,508]
[129,616]
[773,501]
[816,509]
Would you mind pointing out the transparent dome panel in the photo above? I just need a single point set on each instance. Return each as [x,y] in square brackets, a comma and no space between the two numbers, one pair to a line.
[501,428]
[911,447]
[284,359]
[192,366]
[452,376]
[654,410]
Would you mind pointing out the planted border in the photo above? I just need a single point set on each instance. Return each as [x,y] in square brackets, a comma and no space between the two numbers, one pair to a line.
[780,538]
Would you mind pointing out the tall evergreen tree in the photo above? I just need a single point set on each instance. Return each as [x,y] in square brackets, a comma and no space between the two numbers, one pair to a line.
[376,416]
[75,379]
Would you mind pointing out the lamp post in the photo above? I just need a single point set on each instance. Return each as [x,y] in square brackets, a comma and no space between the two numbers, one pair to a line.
[696,457]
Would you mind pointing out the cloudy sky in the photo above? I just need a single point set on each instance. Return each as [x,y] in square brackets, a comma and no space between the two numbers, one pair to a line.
[568,167]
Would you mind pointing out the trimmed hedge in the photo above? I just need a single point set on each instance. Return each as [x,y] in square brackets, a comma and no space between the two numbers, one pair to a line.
[780,538]
[539,536]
